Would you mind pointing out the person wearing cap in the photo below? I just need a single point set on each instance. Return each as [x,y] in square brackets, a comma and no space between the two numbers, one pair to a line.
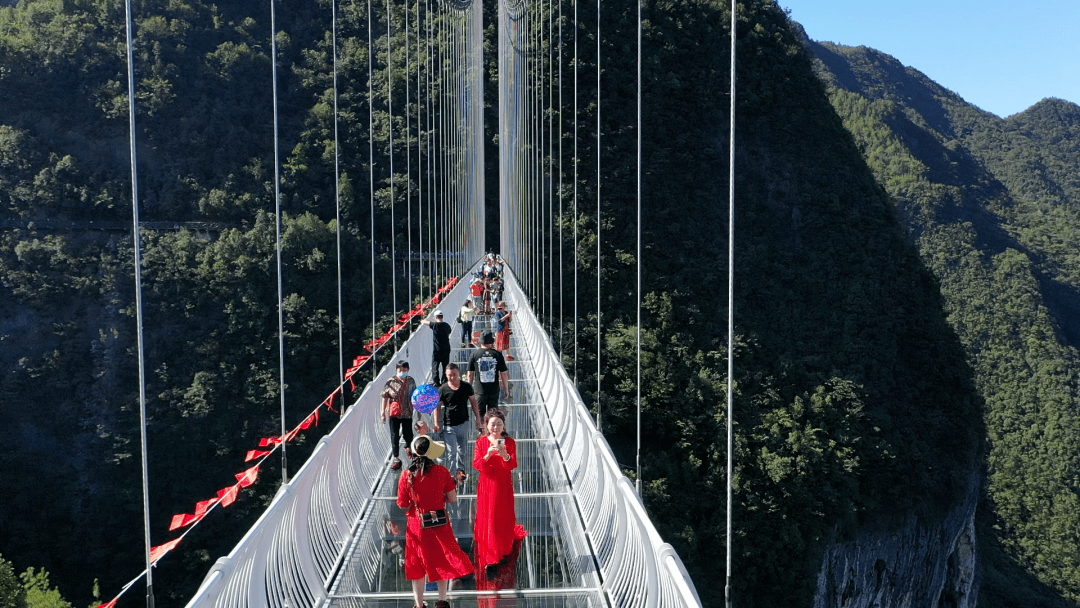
[397,409]
[455,397]
[488,374]
[440,352]
[432,552]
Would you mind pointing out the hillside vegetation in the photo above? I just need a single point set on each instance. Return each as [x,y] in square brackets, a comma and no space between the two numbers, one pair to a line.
[855,406]
[994,207]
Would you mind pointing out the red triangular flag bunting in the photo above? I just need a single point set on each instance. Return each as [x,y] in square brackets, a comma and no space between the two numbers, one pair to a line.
[253,454]
[269,441]
[202,507]
[160,550]
[228,495]
[110,604]
[248,477]
[181,520]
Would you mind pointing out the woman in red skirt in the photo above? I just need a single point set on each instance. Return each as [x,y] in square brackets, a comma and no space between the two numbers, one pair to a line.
[432,552]
[496,521]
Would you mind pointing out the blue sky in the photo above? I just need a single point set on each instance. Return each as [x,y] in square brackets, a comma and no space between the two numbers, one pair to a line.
[1002,56]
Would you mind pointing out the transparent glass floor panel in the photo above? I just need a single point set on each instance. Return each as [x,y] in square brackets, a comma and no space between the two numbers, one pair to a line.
[548,557]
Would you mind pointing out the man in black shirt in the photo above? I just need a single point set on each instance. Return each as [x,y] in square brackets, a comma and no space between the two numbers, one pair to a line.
[440,353]
[488,373]
[455,397]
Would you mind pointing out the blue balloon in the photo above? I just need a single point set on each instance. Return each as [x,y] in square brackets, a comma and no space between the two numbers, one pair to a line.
[425,398]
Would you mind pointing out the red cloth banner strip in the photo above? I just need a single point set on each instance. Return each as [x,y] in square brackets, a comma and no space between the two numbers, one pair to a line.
[266,442]
[111,604]
[160,550]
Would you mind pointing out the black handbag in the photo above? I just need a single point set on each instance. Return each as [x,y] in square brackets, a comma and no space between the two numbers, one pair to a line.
[434,519]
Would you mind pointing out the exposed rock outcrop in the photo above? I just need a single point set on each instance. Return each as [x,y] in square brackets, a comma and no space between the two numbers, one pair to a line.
[915,566]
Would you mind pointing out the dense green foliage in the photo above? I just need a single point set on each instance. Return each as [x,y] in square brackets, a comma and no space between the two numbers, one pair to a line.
[994,206]
[854,405]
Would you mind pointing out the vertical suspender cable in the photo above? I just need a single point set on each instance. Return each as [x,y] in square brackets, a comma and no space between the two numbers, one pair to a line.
[561,243]
[731,311]
[337,198]
[371,174]
[598,221]
[408,164]
[551,174]
[390,152]
[576,243]
[429,74]
[420,174]
[137,245]
[277,225]
[637,482]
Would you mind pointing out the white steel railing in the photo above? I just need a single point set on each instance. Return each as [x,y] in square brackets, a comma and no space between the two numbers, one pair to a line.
[289,556]
[637,567]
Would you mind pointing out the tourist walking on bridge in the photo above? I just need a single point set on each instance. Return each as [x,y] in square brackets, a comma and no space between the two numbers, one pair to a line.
[397,409]
[456,397]
[432,552]
[488,374]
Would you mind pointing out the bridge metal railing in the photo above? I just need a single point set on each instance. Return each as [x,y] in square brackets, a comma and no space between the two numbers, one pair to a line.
[289,556]
[637,567]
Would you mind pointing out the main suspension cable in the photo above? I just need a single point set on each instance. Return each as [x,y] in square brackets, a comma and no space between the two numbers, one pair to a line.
[278,220]
[136,234]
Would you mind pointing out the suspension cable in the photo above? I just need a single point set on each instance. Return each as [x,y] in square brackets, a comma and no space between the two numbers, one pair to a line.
[277,229]
[561,194]
[337,199]
[371,176]
[598,219]
[137,246]
[576,242]
[731,313]
[408,165]
[390,153]
[637,481]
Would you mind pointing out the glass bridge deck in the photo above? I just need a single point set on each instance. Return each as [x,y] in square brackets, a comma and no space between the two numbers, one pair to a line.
[555,566]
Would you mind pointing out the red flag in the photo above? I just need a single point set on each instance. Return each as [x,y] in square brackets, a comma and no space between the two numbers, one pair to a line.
[292,434]
[329,402]
[313,418]
[181,520]
[228,495]
[160,550]
[202,507]
[269,441]
[253,454]
[110,604]
[248,477]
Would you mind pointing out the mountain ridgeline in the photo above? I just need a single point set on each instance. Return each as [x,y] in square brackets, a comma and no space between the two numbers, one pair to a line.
[994,207]
[902,322]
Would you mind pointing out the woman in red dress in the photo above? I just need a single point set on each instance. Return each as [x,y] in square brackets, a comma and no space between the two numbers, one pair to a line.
[431,553]
[496,521]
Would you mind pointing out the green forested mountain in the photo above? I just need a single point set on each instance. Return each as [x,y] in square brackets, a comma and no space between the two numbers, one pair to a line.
[994,207]
[855,408]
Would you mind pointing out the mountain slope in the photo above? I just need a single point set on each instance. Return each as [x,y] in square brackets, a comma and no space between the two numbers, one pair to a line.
[994,207]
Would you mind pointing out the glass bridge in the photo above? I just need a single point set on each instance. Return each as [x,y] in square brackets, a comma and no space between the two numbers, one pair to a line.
[334,536]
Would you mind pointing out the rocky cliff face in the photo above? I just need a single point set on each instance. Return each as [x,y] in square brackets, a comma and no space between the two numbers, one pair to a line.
[915,566]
